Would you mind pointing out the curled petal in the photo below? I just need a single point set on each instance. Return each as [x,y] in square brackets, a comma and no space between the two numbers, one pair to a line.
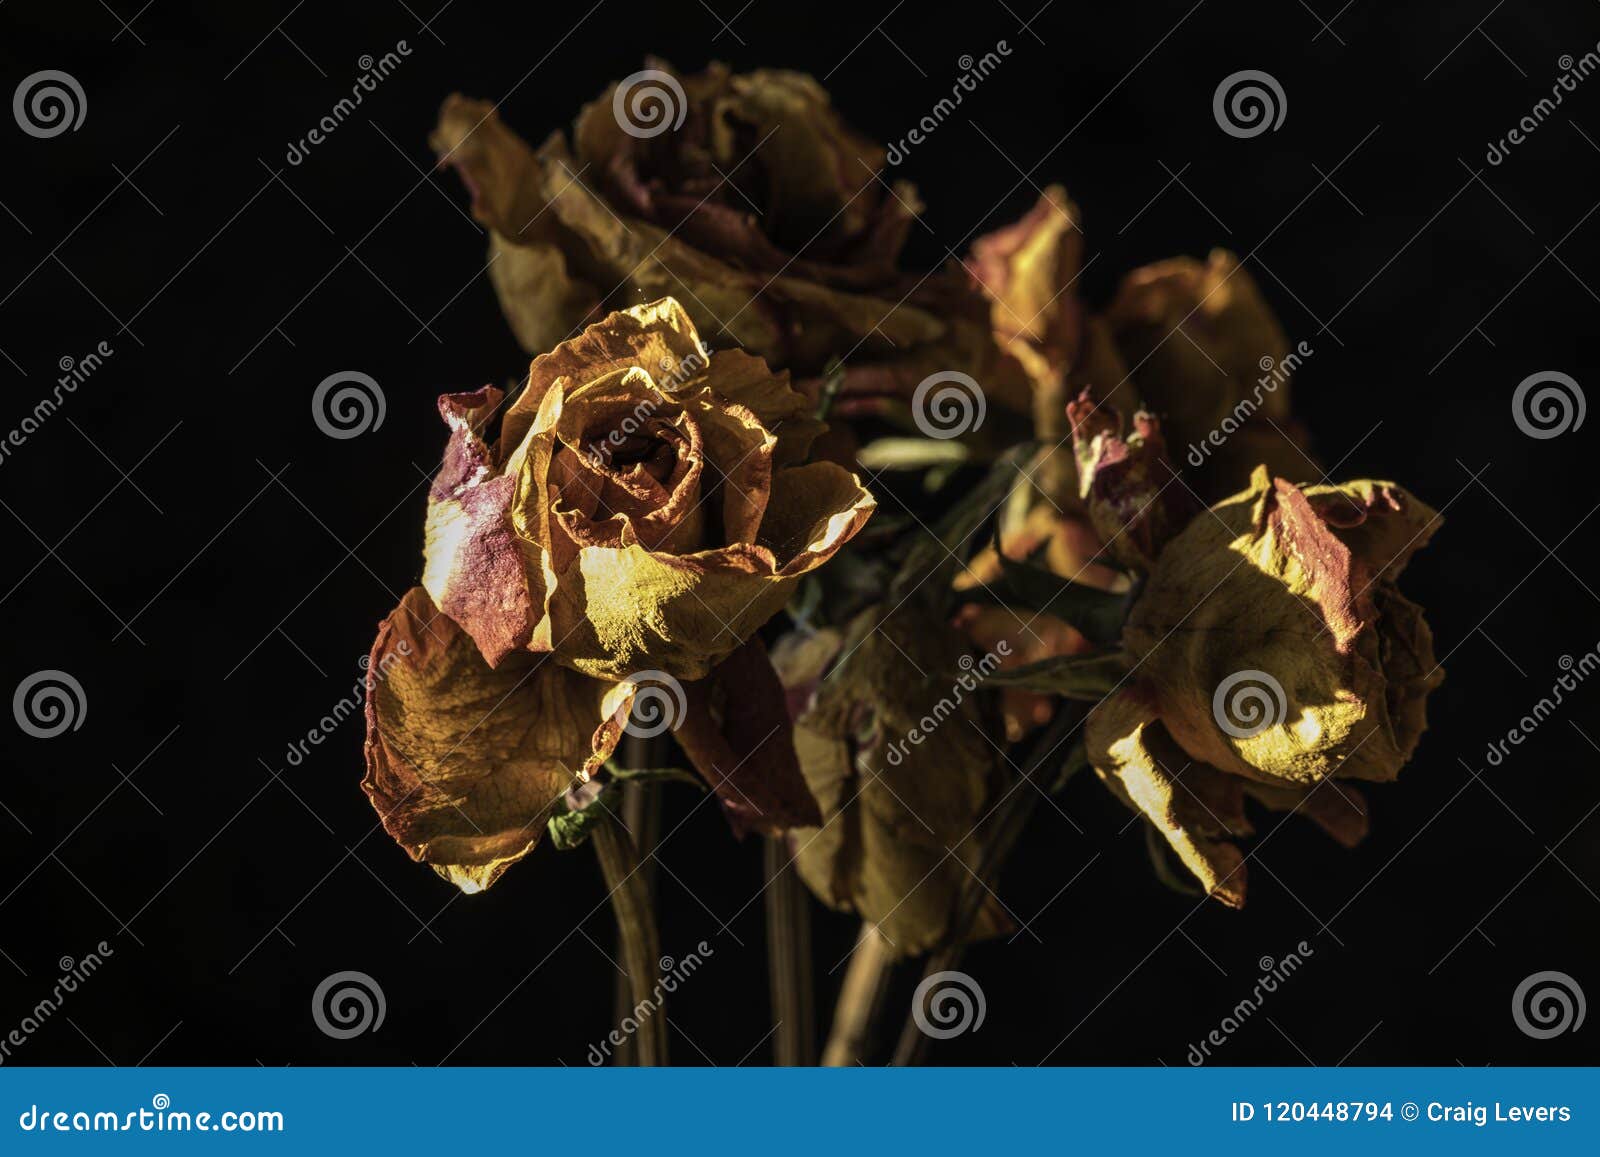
[475,569]
[465,763]
[1136,501]
[1196,808]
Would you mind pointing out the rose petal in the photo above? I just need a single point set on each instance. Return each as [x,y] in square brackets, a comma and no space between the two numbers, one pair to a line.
[1195,807]
[748,758]
[474,566]
[464,762]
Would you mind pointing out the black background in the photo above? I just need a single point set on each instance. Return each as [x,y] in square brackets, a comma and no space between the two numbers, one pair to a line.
[229,283]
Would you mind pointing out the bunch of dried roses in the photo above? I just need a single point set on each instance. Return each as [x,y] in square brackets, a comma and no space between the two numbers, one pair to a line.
[625,531]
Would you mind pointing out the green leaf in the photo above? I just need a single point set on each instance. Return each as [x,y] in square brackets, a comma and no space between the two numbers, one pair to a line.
[1098,614]
[936,554]
[571,829]
[656,775]
[832,379]
[1072,676]
[911,454]
[1077,759]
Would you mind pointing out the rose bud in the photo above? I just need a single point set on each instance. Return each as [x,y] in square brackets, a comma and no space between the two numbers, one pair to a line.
[1210,358]
[1273,655]
[1136,501]
[1029,272]
[894,747]
[745,194]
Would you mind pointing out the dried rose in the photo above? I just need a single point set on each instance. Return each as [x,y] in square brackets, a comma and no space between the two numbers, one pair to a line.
[751,199]
[1210,358]
[1027,269]
[1135,500]
[893,745]
[465,763]
[1273,655]
[644,507]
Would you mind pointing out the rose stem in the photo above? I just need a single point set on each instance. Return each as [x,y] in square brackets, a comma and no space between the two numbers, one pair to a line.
[859,998]
[1056,471]
[789,957]
[636,933]
[641,816]
[1004,832]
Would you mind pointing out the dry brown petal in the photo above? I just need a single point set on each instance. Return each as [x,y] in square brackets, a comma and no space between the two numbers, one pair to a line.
[901,817]
[737,732]
[1294,585]
[645,508]
[465,763]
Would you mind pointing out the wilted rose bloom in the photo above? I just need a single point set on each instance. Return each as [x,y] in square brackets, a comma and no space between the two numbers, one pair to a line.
[1210,359]
[1192,342]
[1274,655]
[645,506]
[888,733]
[644,509]
[744,194]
